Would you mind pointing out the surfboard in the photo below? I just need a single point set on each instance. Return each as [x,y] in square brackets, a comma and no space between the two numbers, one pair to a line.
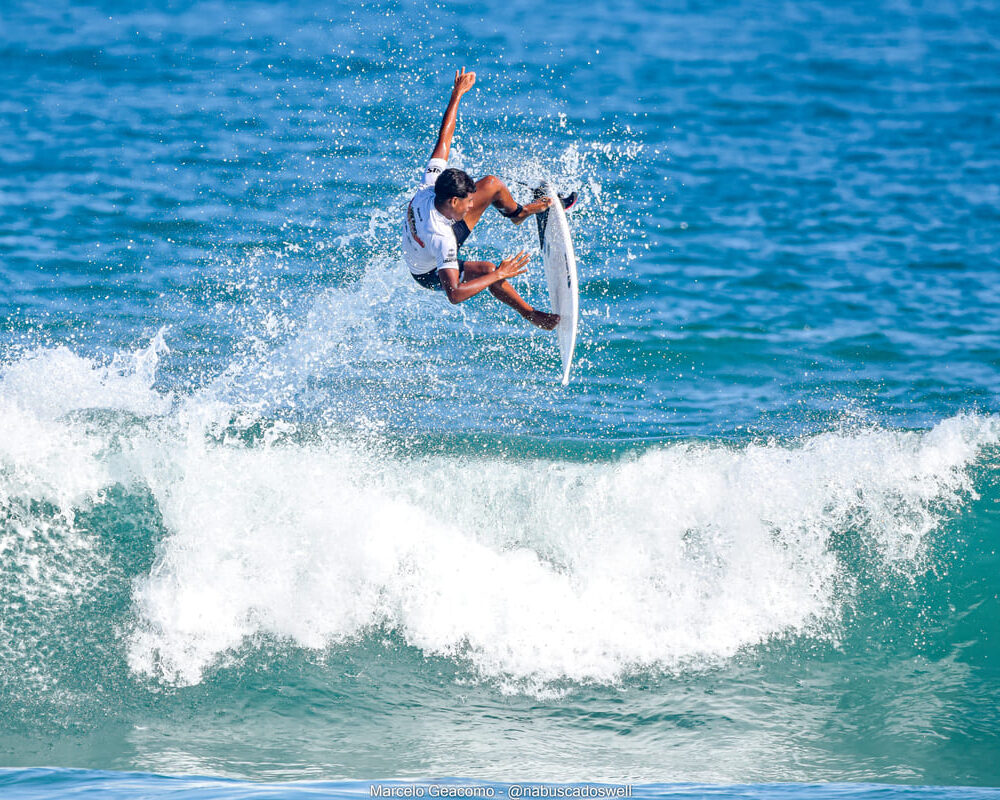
[560,275]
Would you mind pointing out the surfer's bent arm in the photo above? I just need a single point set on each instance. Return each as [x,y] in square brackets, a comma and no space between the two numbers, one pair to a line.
[458,292]
[463,82]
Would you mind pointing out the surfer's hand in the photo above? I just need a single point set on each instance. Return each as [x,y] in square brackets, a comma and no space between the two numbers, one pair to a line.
[463,82]
[513,266]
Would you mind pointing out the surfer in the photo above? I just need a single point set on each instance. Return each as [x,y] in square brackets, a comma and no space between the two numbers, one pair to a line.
[443,213]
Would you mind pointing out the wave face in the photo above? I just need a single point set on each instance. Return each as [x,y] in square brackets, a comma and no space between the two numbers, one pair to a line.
[270,511]
[162,551]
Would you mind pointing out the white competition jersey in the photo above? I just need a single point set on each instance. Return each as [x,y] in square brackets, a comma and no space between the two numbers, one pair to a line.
[428,238]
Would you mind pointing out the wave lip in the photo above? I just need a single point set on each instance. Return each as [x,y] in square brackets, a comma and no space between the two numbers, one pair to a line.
[52,382]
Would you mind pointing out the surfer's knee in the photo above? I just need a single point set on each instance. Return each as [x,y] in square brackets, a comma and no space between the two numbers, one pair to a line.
[490,184]
[478,268]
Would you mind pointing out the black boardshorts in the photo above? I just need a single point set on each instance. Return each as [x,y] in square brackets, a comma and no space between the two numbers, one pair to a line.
[430,280]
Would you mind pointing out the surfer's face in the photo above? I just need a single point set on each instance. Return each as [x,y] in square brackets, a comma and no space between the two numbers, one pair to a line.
[461,206]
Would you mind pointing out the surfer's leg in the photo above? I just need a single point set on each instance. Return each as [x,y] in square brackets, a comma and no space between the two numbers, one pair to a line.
[507,294]
[491,191]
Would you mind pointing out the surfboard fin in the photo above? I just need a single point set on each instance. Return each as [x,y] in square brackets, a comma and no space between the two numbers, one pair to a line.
[542,220]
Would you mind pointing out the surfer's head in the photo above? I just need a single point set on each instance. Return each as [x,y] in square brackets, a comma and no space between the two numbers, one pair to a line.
[453,192]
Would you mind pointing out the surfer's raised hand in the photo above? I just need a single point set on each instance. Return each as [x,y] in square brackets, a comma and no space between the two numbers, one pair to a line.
[463,82]
[513,266]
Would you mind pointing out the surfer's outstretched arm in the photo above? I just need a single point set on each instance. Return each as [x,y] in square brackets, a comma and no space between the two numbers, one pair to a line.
[463,82]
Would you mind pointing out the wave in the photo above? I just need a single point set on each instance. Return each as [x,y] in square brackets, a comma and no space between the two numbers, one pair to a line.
[530,570]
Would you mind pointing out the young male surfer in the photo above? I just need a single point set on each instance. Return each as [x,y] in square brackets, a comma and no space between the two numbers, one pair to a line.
[443,213]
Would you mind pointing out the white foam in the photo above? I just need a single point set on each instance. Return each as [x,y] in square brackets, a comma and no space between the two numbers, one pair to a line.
[43,454]
[52,465]
[533,571]
[51,382]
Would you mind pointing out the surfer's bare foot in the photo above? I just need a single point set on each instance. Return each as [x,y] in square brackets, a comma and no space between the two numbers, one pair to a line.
[536,207]
[542,319]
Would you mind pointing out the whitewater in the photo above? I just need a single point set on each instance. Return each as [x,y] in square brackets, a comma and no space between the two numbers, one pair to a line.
[669,558]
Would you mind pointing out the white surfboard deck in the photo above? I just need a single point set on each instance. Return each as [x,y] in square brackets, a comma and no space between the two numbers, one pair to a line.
[560,274]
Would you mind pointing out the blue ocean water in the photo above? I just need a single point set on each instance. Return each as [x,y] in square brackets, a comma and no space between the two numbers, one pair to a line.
[273,516]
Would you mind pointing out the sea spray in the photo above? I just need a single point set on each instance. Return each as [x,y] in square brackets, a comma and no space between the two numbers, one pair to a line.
[530,570]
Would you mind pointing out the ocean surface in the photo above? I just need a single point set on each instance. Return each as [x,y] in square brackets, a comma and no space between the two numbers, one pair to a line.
[275,517]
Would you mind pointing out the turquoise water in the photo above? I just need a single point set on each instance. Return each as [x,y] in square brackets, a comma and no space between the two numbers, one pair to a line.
[270,512]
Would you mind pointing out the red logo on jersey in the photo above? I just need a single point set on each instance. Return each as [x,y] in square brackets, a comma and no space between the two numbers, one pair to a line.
[413,224]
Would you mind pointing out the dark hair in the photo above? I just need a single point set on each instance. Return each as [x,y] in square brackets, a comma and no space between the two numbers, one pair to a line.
[453,183]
